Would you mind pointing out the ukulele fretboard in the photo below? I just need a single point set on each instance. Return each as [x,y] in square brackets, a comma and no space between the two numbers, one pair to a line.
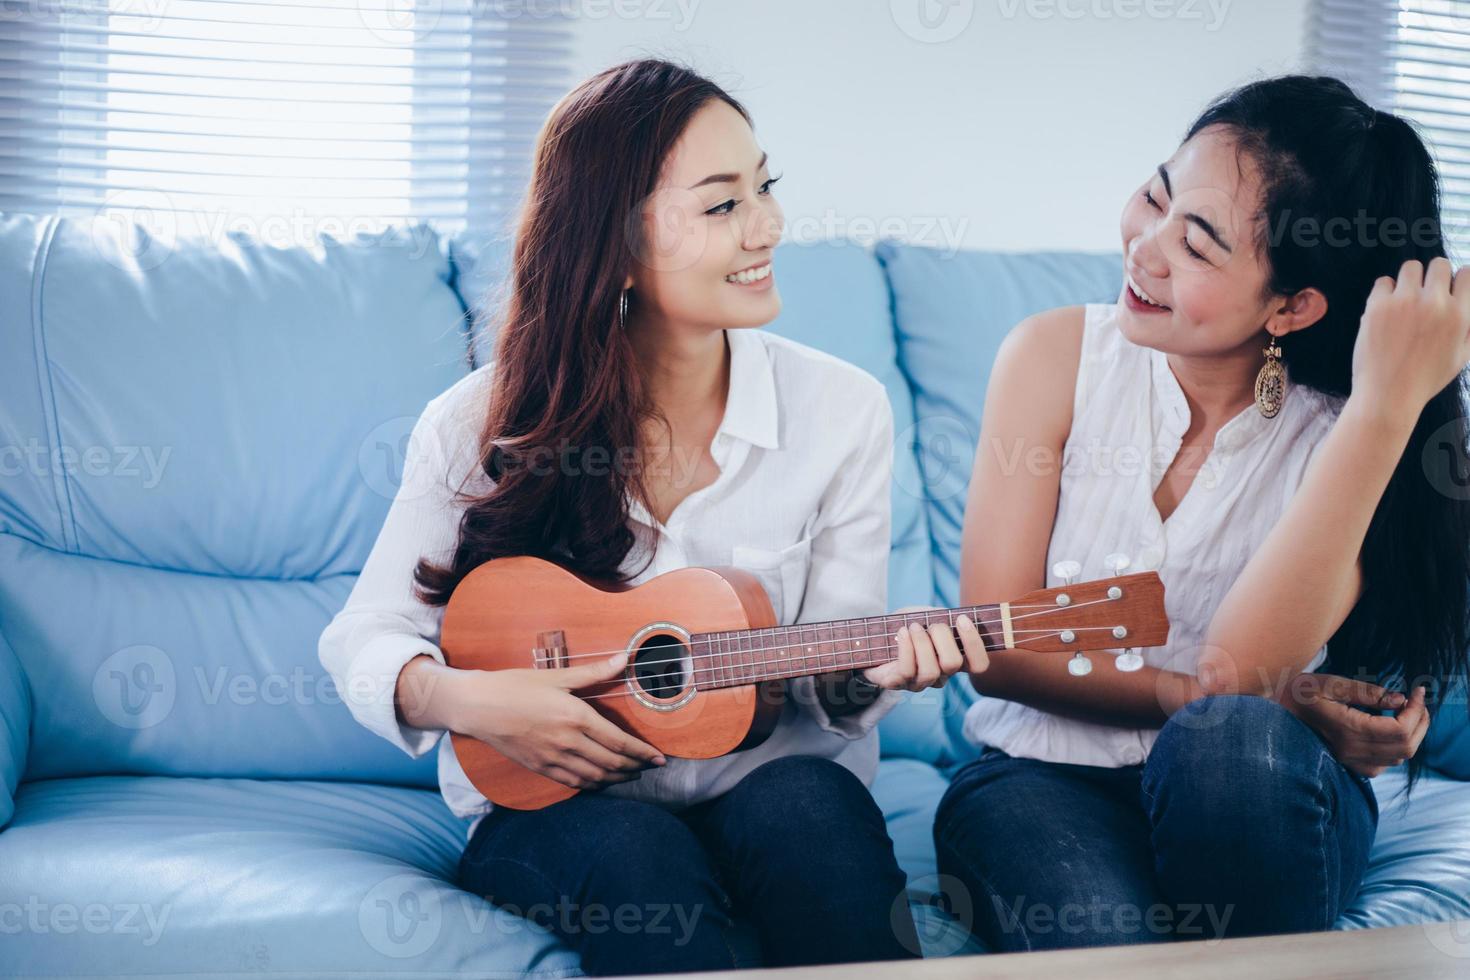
[737,657]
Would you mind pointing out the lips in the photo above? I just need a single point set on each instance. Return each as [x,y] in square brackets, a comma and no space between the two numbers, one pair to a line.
[1143,299]
[755,273]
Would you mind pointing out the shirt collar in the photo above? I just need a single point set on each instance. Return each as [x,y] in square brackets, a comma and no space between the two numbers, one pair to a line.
[1234,434]
[750,407]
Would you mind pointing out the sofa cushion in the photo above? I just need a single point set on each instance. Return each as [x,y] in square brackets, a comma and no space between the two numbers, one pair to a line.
[1420,867]
[145,876]
[196,877]
[252,394]
[212,434]
[170,673]
[1447,744]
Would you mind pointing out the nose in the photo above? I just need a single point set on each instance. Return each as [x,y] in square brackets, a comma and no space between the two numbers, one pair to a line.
[1145,255]
[762,228]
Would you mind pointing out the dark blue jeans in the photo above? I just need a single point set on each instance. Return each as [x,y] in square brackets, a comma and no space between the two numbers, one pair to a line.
[798,847]
[1240,823]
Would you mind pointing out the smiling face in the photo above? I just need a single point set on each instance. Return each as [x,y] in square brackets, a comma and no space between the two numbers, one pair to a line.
[1196,274]
[709,230]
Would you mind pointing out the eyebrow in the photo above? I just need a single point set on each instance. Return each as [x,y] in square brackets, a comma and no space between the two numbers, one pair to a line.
[726,178]
[1203,224]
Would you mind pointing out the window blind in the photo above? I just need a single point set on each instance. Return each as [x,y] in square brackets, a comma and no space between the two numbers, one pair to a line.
[1412,58]
[290,115]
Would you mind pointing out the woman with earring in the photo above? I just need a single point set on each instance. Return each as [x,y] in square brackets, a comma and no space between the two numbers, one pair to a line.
[634,421]
[1284,364]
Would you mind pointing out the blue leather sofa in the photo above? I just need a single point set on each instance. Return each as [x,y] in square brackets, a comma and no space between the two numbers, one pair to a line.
[198,442]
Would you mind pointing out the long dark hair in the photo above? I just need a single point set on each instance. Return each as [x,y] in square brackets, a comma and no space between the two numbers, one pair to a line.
[1327,156]
[565,374]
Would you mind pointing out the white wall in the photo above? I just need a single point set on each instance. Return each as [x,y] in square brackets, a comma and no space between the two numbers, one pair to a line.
[1026,129]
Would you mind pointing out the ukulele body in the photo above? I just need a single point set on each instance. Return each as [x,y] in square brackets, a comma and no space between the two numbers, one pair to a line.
[528,613]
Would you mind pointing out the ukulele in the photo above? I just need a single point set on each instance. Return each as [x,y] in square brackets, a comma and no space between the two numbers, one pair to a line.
[707,662]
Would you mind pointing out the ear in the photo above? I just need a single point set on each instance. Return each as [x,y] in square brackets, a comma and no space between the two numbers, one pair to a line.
[1296,312]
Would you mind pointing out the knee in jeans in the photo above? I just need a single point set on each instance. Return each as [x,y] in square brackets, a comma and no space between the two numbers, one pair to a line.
[808,790]
[1217,745]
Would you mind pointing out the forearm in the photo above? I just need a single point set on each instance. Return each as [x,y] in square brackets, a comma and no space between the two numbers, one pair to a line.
[1145,698]
[426,694]
[1302,582]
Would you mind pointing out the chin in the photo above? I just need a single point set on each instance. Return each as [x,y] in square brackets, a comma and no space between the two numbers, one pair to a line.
[1141,331]
[758,312]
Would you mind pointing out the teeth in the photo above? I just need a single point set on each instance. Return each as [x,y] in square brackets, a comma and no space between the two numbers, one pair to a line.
[750,275]
[1143,295]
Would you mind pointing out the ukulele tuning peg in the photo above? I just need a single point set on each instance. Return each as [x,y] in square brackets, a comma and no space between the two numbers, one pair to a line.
[1129,660]
[1079,665]
[1117,562]
[1067,571]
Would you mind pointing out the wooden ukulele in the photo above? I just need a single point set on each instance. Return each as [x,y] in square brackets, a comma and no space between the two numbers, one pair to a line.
[707,662]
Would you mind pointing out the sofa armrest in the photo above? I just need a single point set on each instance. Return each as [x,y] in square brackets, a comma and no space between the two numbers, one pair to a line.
[15,727]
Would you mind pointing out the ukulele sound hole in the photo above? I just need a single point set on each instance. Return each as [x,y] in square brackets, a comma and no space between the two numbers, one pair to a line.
[661,667]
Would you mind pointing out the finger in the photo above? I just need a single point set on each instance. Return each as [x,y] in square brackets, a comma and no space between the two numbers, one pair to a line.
[1383,288]
[613,777]
[1420,731]
[1377,731]
[977,658]
[1416,710]
[606,759]
[1361,693]
[903,668]
[583,675]
[1356,727]
[614,739]
[580,767]
[564,777]
[885,676]
[947,649]
[1411,275]
[926,661]
[1437,276]
[1460,289]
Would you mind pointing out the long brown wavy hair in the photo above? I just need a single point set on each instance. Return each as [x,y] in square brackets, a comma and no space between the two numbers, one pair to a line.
[566,378]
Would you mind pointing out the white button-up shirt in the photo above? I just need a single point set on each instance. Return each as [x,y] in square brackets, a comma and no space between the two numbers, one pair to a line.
[805,452]
[1129,416]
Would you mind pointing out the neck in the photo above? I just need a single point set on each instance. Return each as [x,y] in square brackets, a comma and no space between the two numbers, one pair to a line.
[685,371]
[1218,387]
[737,657]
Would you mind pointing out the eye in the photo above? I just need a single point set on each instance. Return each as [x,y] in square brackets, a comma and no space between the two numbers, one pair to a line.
[723,208]
[766,187]
[1190,249]
[1149,197]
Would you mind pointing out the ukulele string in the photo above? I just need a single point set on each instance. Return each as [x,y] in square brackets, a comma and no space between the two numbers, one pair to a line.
[735,669]
[1047,610]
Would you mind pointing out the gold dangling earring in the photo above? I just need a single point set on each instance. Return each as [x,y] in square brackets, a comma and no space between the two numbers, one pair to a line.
[1271,382]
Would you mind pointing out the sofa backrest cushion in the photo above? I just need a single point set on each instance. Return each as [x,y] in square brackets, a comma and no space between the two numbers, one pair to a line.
[952,310]
[210,433]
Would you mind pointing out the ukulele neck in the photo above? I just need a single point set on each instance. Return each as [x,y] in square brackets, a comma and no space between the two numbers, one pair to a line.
[738,657]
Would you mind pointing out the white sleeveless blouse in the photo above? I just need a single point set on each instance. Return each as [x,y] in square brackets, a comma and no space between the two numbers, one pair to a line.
[1129,419]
